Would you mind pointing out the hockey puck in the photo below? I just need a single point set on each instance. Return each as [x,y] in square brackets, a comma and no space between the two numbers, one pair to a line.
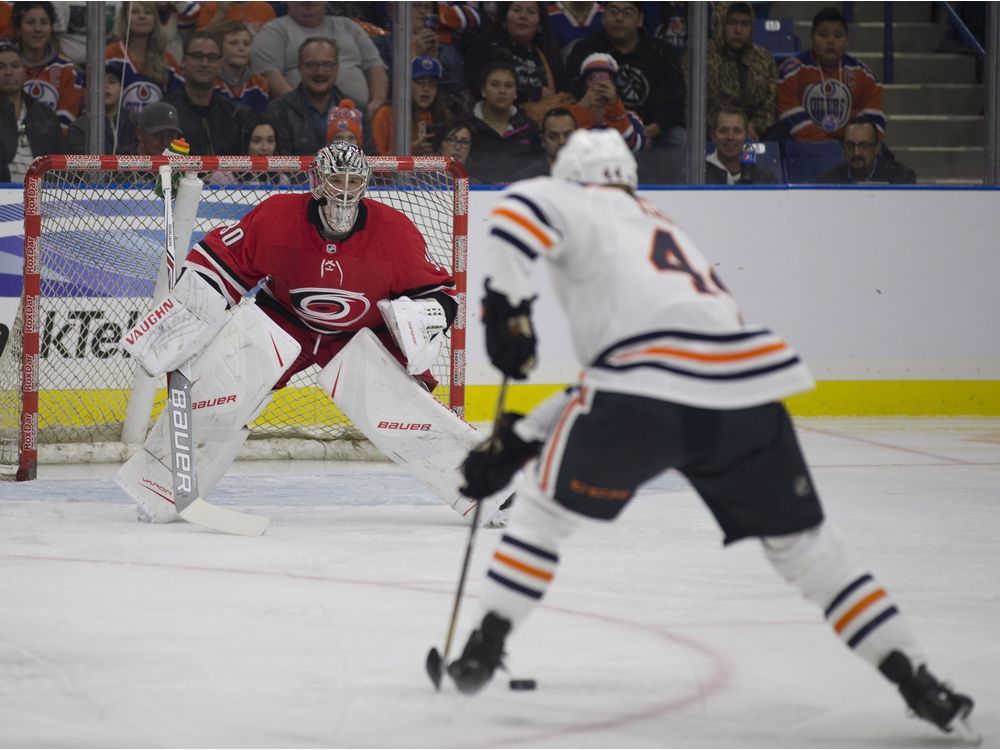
[523,684]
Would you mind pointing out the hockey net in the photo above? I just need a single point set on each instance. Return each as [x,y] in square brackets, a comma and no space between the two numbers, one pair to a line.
[93,249]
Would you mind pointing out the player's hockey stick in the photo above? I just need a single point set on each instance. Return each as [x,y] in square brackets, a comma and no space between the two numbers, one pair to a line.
[437,661]
[189,505]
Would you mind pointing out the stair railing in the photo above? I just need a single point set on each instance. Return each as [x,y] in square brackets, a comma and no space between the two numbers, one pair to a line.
[968,38]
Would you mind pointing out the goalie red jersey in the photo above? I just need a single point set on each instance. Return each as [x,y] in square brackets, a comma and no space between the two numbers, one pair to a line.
[321,290]
[327,286]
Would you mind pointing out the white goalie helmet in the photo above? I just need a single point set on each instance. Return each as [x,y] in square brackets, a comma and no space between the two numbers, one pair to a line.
[338,179]
[596,157]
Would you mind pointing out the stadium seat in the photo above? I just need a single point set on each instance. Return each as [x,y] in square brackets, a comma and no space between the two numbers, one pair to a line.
[777,36]
[805,161]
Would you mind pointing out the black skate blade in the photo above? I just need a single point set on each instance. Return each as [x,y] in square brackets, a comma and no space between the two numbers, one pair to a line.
[435,667]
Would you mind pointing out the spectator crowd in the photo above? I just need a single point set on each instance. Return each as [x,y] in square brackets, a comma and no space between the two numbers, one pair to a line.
[497,86]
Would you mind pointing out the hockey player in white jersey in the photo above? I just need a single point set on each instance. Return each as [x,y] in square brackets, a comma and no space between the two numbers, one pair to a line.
[673,378]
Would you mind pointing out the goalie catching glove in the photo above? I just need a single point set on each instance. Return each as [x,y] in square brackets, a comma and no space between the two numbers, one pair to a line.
[490,467]
[510,336]
[418,326]
[179,327]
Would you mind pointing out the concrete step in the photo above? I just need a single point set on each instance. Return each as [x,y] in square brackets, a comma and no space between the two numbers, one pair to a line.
[906,37]
[933,99]
[804,11]
[906,12]
[869,36]
[933,163]
[919,67]
[936,130]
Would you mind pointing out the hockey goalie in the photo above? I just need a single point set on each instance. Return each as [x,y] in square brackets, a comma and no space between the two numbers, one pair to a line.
[347,285]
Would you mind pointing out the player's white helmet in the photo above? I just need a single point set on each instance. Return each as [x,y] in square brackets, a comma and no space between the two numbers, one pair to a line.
[596,157]
[338,179]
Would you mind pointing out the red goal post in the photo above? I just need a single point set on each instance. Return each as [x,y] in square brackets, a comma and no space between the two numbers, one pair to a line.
[93,246]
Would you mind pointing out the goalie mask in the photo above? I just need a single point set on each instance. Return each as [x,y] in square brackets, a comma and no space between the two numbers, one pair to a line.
[596,157]
[338,179]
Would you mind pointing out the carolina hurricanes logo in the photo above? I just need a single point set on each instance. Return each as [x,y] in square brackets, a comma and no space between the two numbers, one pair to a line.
[329,309]
[139,95]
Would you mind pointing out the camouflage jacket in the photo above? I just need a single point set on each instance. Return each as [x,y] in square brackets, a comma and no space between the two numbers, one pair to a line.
[752,89]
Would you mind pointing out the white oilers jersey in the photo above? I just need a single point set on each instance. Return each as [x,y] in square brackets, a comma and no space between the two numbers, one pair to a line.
[648,314]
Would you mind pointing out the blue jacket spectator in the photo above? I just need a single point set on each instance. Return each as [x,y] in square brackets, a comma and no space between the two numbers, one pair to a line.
[571,22]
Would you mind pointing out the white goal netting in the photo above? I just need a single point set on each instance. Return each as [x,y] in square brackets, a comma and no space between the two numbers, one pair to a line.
[94,242]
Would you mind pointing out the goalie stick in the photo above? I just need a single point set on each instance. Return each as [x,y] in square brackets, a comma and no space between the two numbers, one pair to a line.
[190,506]
[438,661]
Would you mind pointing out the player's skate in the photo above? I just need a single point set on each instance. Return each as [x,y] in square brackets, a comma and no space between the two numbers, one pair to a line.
[928,698]
[482,655]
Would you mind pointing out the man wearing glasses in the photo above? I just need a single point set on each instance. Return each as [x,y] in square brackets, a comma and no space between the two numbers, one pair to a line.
[650,83]
[213,125]
[301,116]
[867,159]
[363,77]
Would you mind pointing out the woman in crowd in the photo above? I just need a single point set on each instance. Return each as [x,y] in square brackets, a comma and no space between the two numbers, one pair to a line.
[148,70]
[435,30]
[520,29]
[504,139]
[50,78]
[455,141]
[263,141]
[27,128]
[428,111]
[235,81]
[263,138]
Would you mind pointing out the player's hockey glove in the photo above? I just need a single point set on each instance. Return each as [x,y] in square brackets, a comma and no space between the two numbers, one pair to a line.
[510,336]
[492,464]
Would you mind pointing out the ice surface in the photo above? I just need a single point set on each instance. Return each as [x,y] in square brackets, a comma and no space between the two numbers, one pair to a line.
[114,633]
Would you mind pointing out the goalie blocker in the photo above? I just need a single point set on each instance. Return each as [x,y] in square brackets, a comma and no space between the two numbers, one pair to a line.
[418,327]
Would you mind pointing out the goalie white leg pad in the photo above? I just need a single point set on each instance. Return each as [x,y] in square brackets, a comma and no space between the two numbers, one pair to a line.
[232,382]
[148,480]
[402,420]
